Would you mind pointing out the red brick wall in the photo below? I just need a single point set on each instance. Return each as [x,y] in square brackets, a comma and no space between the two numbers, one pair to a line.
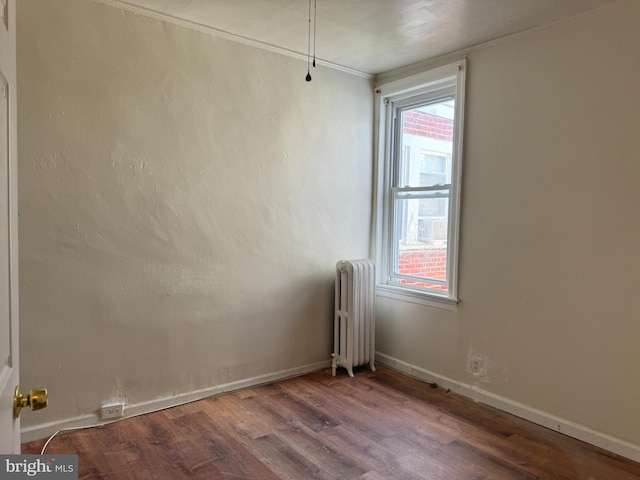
[424,262]
[424,124]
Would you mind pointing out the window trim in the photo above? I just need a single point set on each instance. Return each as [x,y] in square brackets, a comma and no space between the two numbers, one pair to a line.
[405,91]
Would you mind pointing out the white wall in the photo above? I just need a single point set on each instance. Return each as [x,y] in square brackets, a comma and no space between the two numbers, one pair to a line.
[550,229]
[183,201]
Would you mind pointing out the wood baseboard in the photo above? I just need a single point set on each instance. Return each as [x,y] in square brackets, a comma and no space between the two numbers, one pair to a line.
[44,430]
[567,427]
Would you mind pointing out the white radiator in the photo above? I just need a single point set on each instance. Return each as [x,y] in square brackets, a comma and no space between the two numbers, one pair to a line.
[354,319]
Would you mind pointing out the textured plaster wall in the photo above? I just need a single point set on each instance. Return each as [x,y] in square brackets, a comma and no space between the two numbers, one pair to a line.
[183,201]
[550,228]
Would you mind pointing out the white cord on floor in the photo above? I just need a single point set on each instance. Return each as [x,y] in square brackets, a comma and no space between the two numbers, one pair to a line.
[97,425]
[47,442]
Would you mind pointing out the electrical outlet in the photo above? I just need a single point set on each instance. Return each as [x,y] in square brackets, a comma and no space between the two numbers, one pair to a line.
[476,365]
[115,410]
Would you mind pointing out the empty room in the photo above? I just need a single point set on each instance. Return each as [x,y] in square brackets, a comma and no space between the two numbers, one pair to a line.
[184,179]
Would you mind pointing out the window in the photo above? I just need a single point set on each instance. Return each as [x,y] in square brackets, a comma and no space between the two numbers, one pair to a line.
[419,185]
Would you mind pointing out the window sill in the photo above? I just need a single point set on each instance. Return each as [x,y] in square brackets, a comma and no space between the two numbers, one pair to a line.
[413,296]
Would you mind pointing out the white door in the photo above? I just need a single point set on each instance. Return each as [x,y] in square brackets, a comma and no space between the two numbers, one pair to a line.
[9,427]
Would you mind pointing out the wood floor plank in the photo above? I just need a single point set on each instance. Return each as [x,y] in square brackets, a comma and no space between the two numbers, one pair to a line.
[366,452]
[298,425]
[229,456]
[288,462]
[377,426]
[233,411]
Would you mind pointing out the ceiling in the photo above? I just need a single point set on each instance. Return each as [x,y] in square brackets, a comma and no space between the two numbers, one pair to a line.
[369,36]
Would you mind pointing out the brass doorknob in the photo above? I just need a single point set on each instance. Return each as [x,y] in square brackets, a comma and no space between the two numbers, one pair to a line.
[37,399]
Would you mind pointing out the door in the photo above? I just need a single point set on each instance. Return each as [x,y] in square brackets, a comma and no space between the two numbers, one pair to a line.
[9,427]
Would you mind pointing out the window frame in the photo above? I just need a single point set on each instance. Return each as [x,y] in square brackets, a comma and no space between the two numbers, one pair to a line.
[400,94]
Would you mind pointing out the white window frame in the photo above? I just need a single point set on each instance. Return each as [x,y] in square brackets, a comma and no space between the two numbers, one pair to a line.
[389,96]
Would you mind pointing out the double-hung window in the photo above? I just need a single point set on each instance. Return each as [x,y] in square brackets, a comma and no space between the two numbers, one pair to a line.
[420,152]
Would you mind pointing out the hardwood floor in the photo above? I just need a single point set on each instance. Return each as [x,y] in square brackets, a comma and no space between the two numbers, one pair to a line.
[376,426]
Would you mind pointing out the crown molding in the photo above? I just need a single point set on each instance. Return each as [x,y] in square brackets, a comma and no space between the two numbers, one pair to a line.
[216,32]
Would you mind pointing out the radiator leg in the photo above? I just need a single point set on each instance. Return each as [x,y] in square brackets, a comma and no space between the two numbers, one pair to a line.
[373,367]
[350,370]
[334,365]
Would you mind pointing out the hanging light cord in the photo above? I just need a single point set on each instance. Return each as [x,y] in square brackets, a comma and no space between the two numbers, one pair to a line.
[315,23]
[315,9]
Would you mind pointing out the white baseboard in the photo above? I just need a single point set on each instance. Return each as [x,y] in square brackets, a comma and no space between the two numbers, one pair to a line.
[45,430]
[567,427]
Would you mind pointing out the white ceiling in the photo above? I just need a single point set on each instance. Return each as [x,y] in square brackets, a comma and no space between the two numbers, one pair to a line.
[370,36]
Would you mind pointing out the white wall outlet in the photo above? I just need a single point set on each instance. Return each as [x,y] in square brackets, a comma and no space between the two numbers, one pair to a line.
[476,365]
[114,410]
